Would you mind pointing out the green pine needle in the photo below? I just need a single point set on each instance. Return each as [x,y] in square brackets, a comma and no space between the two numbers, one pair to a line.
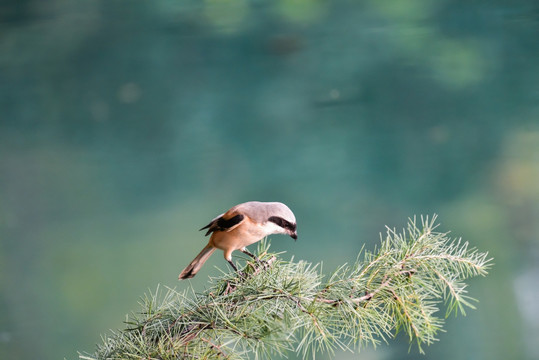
[289,307]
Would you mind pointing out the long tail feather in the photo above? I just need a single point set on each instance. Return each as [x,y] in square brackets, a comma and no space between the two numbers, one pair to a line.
[197,263]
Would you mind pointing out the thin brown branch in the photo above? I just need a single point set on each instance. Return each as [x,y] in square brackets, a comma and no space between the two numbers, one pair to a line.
[369,296]
[215,346]
[403,307]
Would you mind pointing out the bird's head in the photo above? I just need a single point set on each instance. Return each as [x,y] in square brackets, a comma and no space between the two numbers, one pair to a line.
[276,217]
[285,220]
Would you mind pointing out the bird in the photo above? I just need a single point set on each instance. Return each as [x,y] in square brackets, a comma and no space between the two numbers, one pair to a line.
[241,226]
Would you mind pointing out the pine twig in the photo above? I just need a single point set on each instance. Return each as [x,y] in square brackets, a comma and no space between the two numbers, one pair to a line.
[290,306]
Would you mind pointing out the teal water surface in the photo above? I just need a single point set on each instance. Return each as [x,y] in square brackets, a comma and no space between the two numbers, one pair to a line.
[126,126]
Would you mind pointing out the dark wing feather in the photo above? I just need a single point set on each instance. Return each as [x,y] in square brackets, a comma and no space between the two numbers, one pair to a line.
[207,226]
[222,224]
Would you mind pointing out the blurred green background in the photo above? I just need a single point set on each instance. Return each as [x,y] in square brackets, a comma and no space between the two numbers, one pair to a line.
[126,125]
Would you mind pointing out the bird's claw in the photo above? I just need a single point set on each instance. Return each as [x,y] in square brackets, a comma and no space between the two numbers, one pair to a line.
[264,264]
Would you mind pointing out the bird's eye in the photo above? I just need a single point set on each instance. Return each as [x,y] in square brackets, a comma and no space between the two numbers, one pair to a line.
[283,223]
[278,221]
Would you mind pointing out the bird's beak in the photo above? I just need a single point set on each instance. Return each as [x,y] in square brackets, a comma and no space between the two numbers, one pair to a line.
[294,236]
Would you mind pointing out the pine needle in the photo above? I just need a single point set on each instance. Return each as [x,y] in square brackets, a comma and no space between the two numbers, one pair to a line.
[398,287]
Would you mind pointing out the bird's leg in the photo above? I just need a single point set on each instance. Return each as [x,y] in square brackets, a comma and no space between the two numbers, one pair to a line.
[260,262]
[245,251]
[235,268]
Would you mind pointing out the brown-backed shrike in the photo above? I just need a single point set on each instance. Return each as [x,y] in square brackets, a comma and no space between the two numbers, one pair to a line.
[243,225]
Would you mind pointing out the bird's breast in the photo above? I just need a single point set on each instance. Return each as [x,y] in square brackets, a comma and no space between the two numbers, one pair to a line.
[244,235]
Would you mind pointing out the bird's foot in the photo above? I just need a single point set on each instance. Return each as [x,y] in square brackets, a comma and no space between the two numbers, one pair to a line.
[265,265]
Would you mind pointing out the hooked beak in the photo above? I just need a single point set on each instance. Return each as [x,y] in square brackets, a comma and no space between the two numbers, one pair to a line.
[294,236]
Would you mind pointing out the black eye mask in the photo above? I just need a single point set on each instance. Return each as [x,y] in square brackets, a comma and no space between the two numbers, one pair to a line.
[283,223]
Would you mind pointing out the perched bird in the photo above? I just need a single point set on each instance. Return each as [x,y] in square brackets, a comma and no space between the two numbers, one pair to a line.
[243,225]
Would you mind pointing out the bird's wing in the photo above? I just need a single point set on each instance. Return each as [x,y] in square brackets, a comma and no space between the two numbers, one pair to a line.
[224,222]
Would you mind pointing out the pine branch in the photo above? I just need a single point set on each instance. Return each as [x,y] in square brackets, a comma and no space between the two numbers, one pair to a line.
[291,307]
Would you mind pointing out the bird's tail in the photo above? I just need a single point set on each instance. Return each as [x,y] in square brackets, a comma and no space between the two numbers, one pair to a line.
[197,263]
